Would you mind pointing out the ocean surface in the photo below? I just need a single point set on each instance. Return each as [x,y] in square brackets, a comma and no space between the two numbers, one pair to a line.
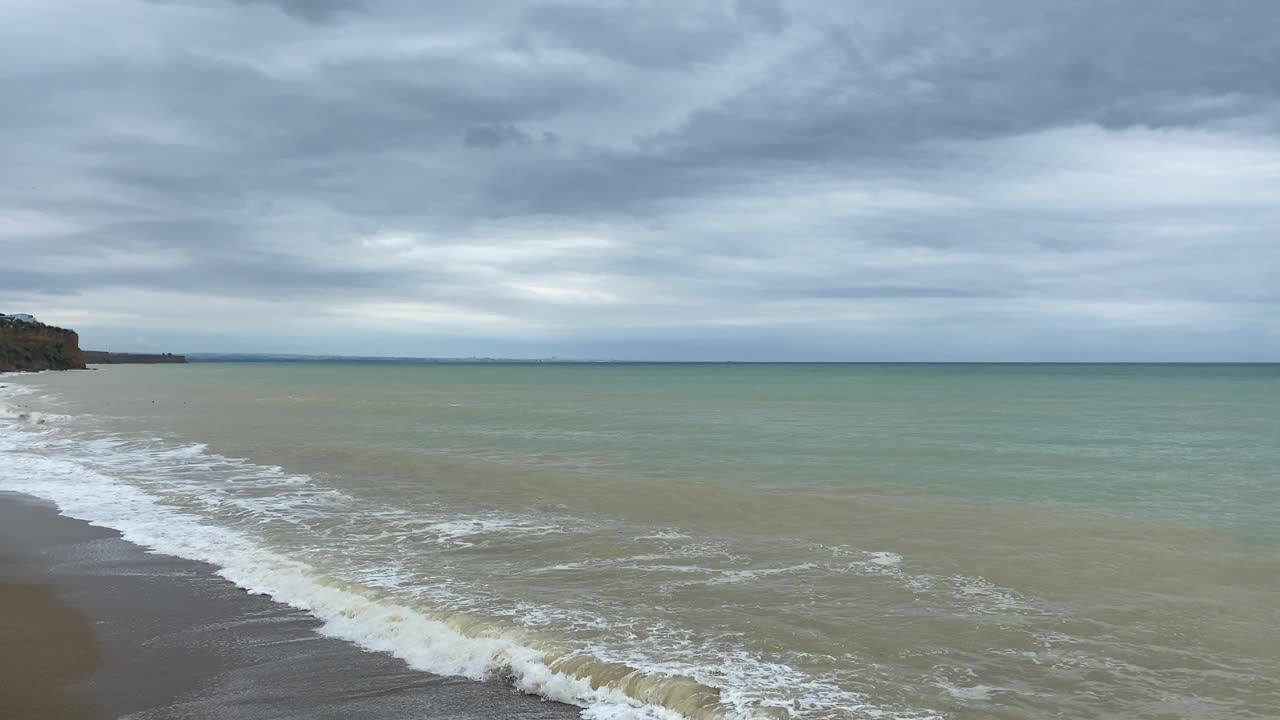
[718,541]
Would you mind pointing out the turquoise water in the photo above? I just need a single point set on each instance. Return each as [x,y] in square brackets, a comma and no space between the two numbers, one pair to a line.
[1198,444]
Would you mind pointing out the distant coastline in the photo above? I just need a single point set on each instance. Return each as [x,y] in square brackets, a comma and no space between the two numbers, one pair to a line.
[101,357]
[28,345]
[369,359]
[209,357]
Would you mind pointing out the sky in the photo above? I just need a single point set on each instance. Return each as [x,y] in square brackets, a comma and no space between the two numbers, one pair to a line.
[879,180]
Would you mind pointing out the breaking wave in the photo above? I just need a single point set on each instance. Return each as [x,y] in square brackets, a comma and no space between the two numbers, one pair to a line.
[184,500]
[21,414]
[446,644]
[34,459]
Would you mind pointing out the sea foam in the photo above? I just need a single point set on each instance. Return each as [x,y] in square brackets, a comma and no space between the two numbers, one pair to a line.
[446,645]
[425,643]
[82,475]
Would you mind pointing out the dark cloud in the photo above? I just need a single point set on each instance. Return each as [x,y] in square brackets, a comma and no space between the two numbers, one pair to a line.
[495,136]
[894,291]
[313,10]
[768,12]
[318,11]
[655,35]
[649,178]
[981,70]
[492,136]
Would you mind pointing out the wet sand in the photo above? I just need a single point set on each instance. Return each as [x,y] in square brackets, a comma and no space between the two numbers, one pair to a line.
[47,647]
[93,627]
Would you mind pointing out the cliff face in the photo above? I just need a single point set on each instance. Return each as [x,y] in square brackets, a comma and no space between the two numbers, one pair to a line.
[32,346]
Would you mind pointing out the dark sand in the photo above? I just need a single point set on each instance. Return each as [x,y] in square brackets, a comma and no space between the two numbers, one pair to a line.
[94,627]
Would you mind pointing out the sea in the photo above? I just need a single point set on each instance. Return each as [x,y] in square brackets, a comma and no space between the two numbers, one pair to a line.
[703,541]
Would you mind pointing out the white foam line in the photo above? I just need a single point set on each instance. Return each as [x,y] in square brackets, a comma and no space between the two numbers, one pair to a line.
[81,476]
[424,643]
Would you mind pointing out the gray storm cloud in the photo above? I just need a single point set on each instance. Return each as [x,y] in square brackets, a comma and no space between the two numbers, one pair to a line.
[749,179]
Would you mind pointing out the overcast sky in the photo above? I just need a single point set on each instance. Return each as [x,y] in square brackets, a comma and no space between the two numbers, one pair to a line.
[745,179]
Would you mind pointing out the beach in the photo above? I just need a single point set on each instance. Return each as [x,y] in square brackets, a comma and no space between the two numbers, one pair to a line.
[640,360]
[96,627]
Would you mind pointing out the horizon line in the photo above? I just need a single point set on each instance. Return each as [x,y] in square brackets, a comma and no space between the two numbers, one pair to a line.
[200,357]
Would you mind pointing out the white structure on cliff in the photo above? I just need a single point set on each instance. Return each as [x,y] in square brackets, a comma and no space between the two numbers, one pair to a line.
[19,317]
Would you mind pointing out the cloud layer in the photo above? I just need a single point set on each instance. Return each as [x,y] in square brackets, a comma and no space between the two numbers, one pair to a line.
[749,179]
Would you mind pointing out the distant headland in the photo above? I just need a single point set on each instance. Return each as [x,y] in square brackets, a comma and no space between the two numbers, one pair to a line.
[102,357]
[28,345]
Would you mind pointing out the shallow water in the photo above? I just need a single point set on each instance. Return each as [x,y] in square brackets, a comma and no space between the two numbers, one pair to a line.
[719,540]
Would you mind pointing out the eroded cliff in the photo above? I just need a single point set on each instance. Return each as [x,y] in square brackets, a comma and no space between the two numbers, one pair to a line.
[34,346]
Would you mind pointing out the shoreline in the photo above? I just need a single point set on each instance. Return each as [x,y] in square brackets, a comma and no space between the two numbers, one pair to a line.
[99,627]
[348,531]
